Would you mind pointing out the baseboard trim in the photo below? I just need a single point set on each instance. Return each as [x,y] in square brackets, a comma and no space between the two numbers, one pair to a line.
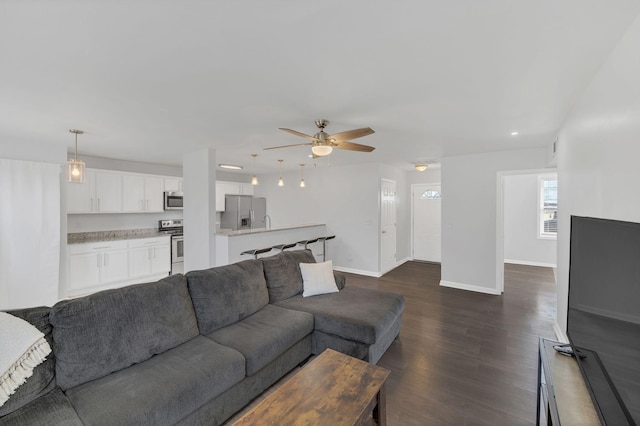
[560,335]
[470,287]
[527,263]
[358,272]
[369,273]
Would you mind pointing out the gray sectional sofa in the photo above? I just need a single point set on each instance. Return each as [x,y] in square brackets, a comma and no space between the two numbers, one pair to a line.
[192,349]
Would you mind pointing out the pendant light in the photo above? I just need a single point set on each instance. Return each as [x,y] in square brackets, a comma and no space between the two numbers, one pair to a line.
[254,179]
[280,181]
[75,167]
[302,185]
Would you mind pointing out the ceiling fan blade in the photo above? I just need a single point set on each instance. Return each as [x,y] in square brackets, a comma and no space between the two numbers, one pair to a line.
[288,146]
[294,132]
[351,134]
[354,146]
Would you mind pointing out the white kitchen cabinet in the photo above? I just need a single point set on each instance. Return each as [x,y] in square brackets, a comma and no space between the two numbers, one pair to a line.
[172,184]
[142,193]
[149,256]
[100,193]
[97,264]
[103,265]
[230,188]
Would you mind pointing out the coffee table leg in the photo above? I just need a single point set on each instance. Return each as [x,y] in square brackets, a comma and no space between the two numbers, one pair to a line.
[380,410]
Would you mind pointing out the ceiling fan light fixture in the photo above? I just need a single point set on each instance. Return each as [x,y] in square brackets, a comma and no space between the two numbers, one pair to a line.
[75,167]
[421,167]
[321,150]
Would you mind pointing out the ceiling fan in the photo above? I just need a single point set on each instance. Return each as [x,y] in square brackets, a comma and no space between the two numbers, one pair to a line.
[322,143]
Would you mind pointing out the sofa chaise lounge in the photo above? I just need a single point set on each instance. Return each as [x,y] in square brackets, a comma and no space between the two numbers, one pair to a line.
[195,348]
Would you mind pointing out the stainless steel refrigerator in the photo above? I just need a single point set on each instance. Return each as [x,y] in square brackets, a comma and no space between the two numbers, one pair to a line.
[243,212]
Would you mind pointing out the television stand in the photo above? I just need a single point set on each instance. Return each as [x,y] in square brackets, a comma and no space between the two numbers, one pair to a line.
[563,397]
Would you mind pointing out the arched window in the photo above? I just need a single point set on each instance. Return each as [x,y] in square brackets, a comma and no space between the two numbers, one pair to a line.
[431,194]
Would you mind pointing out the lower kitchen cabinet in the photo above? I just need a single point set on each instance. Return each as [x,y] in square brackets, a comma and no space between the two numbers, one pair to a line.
[103,265]
[97,264]
[149,256]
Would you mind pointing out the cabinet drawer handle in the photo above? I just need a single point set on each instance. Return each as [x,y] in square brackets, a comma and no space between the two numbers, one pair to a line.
[101,248]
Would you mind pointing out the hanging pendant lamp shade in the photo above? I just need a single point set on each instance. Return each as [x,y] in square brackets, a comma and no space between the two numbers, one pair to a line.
[254,179]
[280,181]
[75,167]
[302,184]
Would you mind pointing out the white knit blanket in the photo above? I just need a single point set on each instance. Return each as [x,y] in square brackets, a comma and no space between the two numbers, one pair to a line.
[22,348]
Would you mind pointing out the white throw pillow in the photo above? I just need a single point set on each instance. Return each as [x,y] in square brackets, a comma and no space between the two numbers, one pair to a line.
[317,278]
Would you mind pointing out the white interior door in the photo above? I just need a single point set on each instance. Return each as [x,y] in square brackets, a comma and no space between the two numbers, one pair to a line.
[427,225]
[387,225]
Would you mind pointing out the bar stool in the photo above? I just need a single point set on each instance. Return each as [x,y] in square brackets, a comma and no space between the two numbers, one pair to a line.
[305,243]
[283,247]
[256,252]
[323,240]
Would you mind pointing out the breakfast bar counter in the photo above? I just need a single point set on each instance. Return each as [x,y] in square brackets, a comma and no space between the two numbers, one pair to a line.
[230,244]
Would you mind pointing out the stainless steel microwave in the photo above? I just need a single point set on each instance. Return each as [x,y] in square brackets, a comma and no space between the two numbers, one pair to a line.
[173,201]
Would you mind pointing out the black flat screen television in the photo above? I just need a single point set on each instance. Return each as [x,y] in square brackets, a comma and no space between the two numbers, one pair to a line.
[603,318]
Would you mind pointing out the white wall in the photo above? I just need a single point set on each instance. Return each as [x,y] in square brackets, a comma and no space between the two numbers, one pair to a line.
[598,151]
[469,198]
[344,198]
[431,175]
[521,242]
[130,166]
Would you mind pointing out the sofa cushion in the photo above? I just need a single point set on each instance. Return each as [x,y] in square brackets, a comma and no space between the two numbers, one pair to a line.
[227,294]
[265,335]
[162,390]
[355,313]
[53,408]
[42,381]
[107,331]
[282,272]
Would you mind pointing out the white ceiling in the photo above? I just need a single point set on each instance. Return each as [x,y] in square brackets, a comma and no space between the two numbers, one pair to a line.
[149,80]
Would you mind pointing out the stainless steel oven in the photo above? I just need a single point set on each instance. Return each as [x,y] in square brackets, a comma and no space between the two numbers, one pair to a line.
[177,254]
[175,229]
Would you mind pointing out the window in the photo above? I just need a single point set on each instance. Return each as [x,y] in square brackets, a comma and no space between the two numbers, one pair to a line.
[431,194]
[548,206]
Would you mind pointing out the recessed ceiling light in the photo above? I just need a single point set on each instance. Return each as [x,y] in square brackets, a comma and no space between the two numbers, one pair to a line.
[230,166]
[514,133]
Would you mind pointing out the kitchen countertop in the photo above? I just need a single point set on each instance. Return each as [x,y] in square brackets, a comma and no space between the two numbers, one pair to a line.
[230,233]
[125,234]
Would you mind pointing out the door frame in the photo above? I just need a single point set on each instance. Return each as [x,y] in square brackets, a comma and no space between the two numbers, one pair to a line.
[413,185]
[500,218]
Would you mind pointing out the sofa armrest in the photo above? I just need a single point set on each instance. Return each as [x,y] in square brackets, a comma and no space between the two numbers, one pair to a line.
[341,279]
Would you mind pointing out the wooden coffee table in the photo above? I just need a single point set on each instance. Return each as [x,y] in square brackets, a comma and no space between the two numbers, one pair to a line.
[333,389]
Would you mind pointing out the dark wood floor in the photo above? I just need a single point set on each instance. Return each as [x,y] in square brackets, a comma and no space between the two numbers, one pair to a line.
[465,358]
[462,358]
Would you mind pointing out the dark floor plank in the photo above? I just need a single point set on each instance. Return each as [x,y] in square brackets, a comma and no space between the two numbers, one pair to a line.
[465,358]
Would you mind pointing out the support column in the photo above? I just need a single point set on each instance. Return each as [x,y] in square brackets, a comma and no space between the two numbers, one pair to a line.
[199,214]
